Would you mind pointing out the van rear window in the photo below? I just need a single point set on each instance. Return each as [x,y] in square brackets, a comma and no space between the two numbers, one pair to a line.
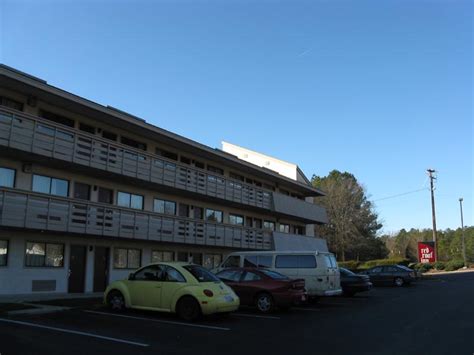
[295,262]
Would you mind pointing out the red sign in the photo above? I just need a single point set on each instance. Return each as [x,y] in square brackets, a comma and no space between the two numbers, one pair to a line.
[426,252]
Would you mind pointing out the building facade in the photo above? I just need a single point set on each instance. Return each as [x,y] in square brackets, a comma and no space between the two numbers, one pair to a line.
[89,193]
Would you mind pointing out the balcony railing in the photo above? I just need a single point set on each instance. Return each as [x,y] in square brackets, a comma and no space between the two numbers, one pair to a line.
[39,136]
[44,212]
[294,207]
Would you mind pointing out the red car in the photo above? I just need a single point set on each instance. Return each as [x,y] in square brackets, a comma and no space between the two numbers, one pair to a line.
[264,289]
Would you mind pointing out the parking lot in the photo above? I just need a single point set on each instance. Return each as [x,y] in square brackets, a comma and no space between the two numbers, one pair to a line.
[434,316]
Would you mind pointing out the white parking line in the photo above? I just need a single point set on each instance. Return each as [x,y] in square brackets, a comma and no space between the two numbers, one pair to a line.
[306,309]
[254,316]
[35,325]
[159,320]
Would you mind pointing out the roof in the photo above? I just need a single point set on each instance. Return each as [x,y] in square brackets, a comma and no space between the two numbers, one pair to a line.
[20,81]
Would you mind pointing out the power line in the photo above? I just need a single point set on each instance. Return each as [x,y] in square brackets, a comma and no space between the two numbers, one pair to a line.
[402,194]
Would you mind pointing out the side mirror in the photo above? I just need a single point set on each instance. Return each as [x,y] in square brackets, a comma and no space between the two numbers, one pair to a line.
[131,276]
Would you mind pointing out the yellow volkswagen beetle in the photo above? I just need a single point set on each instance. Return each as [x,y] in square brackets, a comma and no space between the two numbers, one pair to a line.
[186,289]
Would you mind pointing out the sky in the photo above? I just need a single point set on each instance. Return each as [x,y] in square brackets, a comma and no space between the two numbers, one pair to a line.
[380,89]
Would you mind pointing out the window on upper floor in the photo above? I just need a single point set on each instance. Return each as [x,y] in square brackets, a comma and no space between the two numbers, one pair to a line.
[284,228]
[54,117]
[7,177]
[82,191]
[86,128]
[269,225]
[183,210]
[109,135]
[214,215]
[198,212]
[129,200]
[236,219]
[164,206]
[105,195]
[132,143]
[166,154]
[199,164]
[185,160]
[215,169]
[299,229]
[10,103]
[236,176]
[50,185]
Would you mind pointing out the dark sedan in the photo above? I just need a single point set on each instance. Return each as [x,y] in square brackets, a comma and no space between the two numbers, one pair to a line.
[352,283]
[397,275]
[264,289]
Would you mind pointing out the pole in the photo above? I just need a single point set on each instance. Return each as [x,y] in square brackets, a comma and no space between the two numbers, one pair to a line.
[433,209]
[462,234]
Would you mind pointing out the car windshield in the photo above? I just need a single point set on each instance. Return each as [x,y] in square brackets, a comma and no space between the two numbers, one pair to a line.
[345,271]
[274,275]
[201,274]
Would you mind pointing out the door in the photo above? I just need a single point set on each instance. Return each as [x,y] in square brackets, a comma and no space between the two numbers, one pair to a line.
[375,275]
[77,269]
[145,287]
[249,285]
[101,268]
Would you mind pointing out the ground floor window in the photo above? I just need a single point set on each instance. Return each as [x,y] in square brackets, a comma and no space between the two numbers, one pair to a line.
[284,228]
[212,261]
[160,256]
[3,252]
[44,254]
[127,258]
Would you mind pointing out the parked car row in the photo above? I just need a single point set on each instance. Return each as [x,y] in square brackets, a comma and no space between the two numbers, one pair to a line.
[265,280]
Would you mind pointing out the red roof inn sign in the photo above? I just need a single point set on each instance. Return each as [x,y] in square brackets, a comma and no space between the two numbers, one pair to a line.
[426,252]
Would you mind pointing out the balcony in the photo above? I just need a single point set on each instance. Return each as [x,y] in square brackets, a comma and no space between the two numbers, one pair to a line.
[28,210]
[294,207]
[38,136]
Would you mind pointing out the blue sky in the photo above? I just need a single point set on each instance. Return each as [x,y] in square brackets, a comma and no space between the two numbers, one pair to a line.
[381,89]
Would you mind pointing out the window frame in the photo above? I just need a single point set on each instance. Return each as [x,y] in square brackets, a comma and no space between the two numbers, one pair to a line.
[232,215]
[45,255]
[165,202]
[213,210]
[130,200]
[162,253]
[297,264]
[89,193]
[127,267]
[51,178]
[14,176]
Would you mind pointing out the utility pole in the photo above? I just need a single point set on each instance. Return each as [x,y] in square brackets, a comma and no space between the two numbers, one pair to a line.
[462,234]
[433,210]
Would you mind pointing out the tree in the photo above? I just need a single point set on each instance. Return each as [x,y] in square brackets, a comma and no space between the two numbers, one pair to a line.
[353,224]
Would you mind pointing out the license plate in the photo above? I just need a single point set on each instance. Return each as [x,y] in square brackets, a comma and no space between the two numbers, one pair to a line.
[228,298]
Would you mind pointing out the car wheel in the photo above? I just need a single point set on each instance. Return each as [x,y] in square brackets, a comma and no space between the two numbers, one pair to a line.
[398,281]
[116,301]
[264,302]
[188,308]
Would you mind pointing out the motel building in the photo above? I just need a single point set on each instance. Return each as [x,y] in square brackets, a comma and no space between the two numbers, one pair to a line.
[89,193]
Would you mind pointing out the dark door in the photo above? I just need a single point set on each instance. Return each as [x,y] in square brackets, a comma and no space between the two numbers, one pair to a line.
[101,268]
[77,269]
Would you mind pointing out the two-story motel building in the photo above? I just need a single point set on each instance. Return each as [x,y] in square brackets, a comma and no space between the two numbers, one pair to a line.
[88,193]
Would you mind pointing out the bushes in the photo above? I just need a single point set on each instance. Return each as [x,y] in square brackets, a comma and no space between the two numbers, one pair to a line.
[378,262]
[439,265]
[454,265]
[351,264]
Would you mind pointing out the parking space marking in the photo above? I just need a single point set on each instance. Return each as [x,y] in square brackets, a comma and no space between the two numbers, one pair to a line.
[254,316]
[62,330]
[159,320]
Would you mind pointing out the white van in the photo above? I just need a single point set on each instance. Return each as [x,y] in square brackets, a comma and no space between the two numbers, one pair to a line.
[318,269]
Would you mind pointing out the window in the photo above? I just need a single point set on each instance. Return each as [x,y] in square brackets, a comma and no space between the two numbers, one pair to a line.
[376,270]
[212,261]
[198,164]
[250,261]
[258,261]
[251,276]
[248,222]
[132,143]
[183,210]
[165,207]
[230,275]
[236,176]
[106,195]
[173,275]
[295,262]
[299,230]
[82,191]
[7,177]
[269,225]
[269,187]
[214,215]
[166,154]
[3,252]
[183,256]
[127,258]
[185,160]
[390,269]
[44,254]
[330,261]
[161,256]
[215,169]
[232,261]
[50,116]
[149,273]
[5,101]
[198,212]
[257,223]
[109,135]
[284,228]
[86,128]
[126,199]
[200,273]
[195,258]
[49,185]
[285,192]
[236,219]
